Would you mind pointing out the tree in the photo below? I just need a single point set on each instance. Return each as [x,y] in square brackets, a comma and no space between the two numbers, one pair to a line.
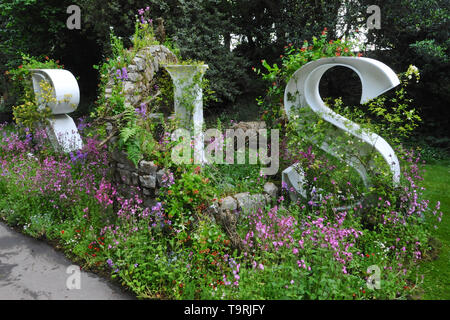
[417,32]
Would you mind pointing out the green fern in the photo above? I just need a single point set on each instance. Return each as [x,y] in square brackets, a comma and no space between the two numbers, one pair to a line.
[127,133]
[134,152]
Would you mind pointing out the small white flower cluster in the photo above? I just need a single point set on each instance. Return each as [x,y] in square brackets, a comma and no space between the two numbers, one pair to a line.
[384,249]
[413,70]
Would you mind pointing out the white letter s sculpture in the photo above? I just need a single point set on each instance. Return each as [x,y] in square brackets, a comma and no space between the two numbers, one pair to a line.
[302,91]
[62,130]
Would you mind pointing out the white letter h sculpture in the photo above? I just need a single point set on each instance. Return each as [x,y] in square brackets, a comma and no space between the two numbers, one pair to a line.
[61,130]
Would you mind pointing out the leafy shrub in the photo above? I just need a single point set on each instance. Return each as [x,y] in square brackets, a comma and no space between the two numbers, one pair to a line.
[293,59]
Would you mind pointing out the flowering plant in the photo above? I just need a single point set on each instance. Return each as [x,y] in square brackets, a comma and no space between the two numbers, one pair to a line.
[293,59]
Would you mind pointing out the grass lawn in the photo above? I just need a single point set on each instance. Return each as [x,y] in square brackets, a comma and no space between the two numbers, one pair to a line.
[437,272]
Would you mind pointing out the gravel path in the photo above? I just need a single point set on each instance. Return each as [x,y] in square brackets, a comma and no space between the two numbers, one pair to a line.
[32,270]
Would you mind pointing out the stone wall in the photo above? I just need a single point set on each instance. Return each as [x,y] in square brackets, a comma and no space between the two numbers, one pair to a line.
[245,202]
[146,179]
[141,71]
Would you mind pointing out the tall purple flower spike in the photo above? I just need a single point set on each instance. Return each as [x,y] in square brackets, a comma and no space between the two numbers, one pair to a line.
[302,91]
[62,130]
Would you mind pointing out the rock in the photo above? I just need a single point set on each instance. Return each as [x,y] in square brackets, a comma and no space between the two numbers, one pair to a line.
[134,99]
[147,168]
[134,76]
[248,203]
[268,198]
[125,176]
[121,158]
[213,211]
[139,62]
[148,192]
[125,191]
[228,203]
[250,129]
[271,189]
[159,176]
[128,86]
[148,181]
[135,179]
[156,117]
[255,125]
[149,202]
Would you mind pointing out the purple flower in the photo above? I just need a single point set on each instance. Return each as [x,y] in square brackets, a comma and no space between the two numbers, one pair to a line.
[142,110]
[82,124]
[79,156]
[122,74]
[167,179]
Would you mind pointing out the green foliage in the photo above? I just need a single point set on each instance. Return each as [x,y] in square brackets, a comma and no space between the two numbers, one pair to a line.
[21,76]
[430,51]
[391,117]
[137,127]
[188,196]
[136,136]
[293,59]
[416,32]
[33,110]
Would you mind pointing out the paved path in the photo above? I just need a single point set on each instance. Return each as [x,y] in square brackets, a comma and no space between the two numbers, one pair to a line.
[32,270]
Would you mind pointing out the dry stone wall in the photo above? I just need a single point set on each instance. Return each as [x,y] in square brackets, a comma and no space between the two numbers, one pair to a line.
[146,178]
[146,63]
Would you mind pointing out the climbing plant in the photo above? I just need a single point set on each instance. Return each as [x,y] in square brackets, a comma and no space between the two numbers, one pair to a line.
[137,126]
